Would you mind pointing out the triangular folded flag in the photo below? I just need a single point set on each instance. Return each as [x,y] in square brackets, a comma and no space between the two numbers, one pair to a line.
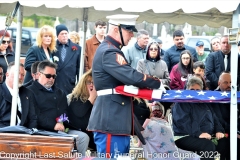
[139,92]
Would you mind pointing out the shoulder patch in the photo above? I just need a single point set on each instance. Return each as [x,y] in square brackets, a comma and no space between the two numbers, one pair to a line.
[120,59]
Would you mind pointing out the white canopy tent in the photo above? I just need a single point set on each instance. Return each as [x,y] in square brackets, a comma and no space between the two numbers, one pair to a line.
[212,13]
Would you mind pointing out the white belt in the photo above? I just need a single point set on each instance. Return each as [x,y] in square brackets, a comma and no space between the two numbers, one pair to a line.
[106,92]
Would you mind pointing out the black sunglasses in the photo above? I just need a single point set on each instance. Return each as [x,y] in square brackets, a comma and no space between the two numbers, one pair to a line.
[49,75]
[4,42]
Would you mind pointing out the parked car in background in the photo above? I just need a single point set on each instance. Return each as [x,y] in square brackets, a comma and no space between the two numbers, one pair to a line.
[192,40]
[28,38]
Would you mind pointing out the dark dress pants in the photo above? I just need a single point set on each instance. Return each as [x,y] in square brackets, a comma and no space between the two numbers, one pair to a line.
[204,147]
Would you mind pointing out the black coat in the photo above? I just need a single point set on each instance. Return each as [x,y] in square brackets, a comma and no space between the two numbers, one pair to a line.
[34,54]
[28,116]
[141,111]
[69,69]
[49,105]
[79,113]
[215,66]
[222,111]
[194,119]
[10,58]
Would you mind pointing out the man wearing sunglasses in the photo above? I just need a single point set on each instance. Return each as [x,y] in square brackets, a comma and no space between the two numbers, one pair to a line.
[51,103]
[26,115]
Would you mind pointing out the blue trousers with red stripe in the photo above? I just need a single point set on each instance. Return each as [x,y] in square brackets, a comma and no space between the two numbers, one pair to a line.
[108,145]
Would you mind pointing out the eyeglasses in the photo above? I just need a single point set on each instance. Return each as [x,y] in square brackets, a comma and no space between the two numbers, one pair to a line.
[49,75]
[4,42]
[89,82]
[153,49]
[187,58]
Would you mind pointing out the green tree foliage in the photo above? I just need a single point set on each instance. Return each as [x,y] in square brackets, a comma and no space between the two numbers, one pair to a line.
[38,21]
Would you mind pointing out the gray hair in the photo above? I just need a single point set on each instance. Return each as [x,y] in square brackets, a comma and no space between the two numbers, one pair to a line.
[194,80]
[11,64]
[141,32]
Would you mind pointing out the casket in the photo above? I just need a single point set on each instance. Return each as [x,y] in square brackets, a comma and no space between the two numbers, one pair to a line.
[25,146]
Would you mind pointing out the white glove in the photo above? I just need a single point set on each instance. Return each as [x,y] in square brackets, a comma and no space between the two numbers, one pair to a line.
[162,88]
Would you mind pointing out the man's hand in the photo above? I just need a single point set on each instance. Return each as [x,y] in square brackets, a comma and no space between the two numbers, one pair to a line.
[59,127]
[205,135]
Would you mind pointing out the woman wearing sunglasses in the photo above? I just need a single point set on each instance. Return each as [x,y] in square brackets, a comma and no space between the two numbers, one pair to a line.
[181,70]
[6,51]
[81,102]
[46,43]
[153,65]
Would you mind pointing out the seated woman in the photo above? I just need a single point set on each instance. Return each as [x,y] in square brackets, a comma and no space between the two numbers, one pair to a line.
[194,125]
[181,70]
[153,65]
[81,101]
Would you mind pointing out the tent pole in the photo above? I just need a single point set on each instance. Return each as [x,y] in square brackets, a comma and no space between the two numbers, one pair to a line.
[85,20]
[234,73]
[16,68]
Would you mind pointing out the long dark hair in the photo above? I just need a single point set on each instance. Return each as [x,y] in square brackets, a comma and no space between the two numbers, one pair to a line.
[182,68]
[10,47]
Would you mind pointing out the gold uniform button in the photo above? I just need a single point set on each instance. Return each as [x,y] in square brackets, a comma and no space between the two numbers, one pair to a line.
[122,103]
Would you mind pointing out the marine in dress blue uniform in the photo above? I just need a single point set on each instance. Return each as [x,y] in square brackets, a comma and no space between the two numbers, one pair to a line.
[111,119]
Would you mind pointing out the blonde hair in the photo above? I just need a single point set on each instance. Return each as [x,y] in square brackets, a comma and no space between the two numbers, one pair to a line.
[46,29]
[81,91]
[75,36]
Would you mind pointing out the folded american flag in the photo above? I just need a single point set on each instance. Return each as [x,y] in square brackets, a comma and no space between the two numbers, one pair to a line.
[177,95]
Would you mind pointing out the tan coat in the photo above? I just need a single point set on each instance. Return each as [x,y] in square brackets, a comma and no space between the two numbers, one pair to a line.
[91,47]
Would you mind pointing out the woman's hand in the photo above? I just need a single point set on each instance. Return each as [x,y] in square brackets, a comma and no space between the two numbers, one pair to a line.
[92,94]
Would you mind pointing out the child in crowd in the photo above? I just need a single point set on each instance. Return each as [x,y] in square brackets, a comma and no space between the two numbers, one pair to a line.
[199,70]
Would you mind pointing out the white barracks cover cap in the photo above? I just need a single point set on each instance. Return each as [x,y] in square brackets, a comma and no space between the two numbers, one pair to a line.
[125,21]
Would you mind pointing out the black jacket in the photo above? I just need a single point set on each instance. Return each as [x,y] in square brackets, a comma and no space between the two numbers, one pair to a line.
[28,116]
[10,58]
[193,119]
[79,113]
[34,54]
[215,66]
[141,110]
[50,105]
